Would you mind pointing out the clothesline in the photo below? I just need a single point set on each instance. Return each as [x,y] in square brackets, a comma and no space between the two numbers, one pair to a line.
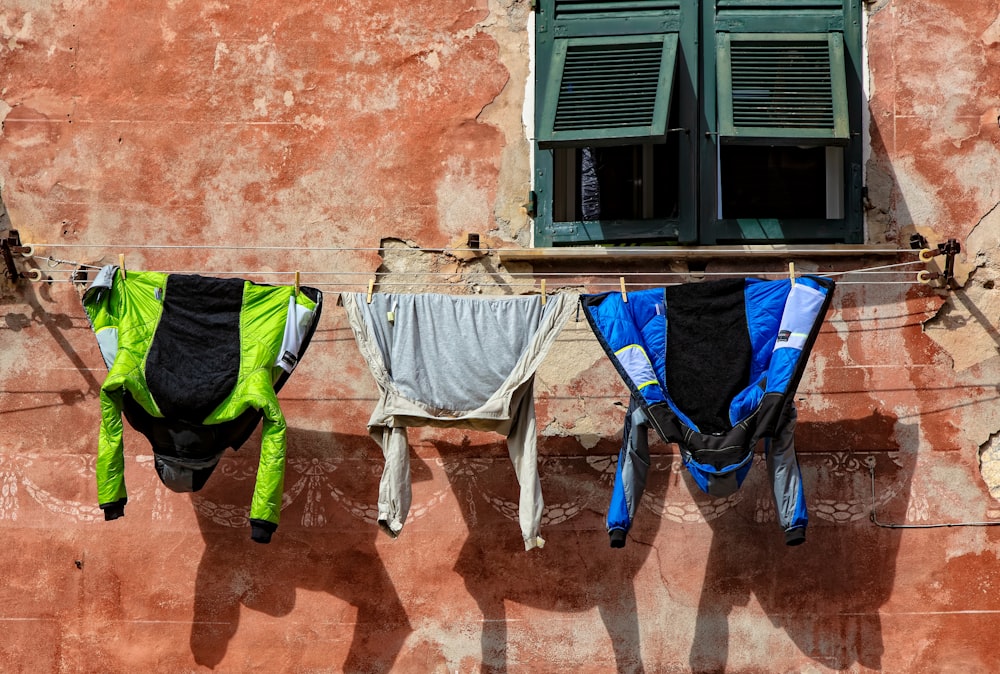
[382,285]
[470,276]
[658,250]
[881,269]
[866,270]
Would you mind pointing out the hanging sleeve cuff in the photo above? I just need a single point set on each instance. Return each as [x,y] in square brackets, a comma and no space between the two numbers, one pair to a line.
[795,536]
[534,542]
[261,530]
[115,509]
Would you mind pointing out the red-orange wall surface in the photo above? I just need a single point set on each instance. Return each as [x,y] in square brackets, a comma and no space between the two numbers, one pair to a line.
[340,139]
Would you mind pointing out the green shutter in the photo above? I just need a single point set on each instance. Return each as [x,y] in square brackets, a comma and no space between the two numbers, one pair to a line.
[601,9]
[608,90]
[782,88]
[591,18]
[796,6]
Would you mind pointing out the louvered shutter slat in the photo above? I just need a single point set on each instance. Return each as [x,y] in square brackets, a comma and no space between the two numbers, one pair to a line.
[590,9]
[782,88]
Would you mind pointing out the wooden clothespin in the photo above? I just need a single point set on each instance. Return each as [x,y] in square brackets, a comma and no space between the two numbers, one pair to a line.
[621,279]
[121,263]
[296,282]
[791,272]
[371,289]
[543,292]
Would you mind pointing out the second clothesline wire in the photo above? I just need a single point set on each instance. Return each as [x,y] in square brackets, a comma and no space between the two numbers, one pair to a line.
[469,275]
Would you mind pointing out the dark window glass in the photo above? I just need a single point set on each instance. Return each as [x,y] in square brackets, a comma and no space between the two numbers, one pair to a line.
[773,182]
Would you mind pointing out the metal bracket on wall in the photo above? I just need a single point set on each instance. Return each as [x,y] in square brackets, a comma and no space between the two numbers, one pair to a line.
[949,249]
[10,245]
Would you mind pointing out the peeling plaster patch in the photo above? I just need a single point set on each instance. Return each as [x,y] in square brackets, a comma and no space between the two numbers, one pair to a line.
[310,122]
[908,436]
[991,35]
[12,38]
[919,203]
[432,60]
[289,99]
[507,22]
[221,49]
[934,97]
[989,464]
[955,497]
[812,382]
[263,53]
[378,93]
[583,427]
[365,57]
[460,197]
[977,168]
[880,184]
[967,541]
[4,111]
[578,353]
[968,325]
[419,270]
[169,35]
[251,69]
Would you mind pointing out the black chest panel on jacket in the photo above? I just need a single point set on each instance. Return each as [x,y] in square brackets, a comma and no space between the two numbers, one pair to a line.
[194,358]
[708,350]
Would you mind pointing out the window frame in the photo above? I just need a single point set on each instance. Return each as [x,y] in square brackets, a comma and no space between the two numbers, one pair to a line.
[699,24]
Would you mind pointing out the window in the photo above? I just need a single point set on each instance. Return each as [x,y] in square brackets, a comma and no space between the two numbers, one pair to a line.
[698,121]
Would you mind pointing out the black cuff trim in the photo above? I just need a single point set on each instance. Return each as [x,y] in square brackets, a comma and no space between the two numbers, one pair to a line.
[617,537]
[795,536]
[384,526]
[115,509]
[261,530]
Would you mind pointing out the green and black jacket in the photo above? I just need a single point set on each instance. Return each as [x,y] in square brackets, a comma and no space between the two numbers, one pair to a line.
[194,363]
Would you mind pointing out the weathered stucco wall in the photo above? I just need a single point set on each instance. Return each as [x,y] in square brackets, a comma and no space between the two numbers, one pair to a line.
[271,137]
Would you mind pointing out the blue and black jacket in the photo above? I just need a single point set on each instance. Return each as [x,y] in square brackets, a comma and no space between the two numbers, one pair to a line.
[737,349]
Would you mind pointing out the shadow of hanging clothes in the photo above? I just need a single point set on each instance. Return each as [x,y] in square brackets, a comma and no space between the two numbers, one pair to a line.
[575,572]
[826,594]
[326,546]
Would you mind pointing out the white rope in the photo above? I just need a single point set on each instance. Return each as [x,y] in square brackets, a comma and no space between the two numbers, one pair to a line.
[474,272]
[652,250]
[381,285]
[882,269]
[470,276]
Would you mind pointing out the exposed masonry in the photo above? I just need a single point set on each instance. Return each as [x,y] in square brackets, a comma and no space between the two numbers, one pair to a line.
[406,268]
[506,23]
[967,327]
[989,464]
[6,285]
[4,218]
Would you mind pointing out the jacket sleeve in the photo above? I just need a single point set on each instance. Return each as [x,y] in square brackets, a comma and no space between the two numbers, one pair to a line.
[786,478]
[630,475]
[265,506]
[395,493]
[111,493]
[522,446]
